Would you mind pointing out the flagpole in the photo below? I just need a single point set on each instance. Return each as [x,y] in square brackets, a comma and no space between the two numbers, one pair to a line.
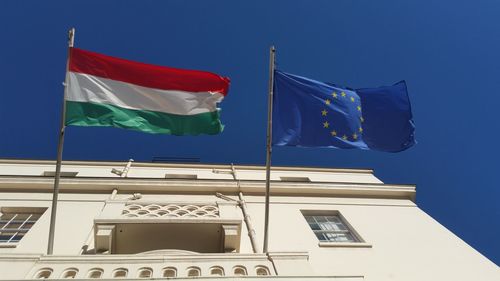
[272,53]
[57,176]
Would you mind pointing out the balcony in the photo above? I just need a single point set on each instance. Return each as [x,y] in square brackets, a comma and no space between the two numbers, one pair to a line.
[134,227]
[175,264]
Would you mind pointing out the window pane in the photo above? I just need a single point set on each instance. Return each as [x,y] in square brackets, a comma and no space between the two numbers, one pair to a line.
[320,236]
[28,225]
[310,219]
[22,216]
[7,216]
[314,226]
[320,218]
[15,222]
[330,228]
[350,237]
[14,225]
[341,226]
[331,236]
[5,236]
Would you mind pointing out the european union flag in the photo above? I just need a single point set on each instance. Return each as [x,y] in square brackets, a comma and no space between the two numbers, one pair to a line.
[310,113]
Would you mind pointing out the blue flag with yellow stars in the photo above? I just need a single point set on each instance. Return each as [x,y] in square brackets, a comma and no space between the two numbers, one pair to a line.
[311,113]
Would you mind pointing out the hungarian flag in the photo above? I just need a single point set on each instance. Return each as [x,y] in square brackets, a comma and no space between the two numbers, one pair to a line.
[108,91]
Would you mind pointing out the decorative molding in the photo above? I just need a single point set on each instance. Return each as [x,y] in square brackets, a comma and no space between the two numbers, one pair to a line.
[180,165]
[170,210]
[255,187]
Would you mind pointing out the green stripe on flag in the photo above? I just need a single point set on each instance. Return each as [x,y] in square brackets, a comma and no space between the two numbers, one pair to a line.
[105,115]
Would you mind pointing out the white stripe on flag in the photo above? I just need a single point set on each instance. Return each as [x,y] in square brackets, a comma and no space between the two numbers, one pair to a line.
[89,88]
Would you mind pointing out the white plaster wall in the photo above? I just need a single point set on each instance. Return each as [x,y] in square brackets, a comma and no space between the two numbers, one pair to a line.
[74,221]
[15,268]
[406,244]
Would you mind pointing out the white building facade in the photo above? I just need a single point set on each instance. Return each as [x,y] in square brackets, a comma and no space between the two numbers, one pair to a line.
[119,220]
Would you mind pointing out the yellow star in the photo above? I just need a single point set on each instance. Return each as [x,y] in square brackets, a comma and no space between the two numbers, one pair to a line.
[327,102]
[359,108]
[361,119]
[354,136]
[334,95]
[344,137]
[352,99]
[333,133]
[360,129]
[343,94]
[326,124]
[324,112]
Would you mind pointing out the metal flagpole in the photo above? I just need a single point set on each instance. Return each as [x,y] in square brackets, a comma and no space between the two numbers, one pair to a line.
[272,53]
[50,247]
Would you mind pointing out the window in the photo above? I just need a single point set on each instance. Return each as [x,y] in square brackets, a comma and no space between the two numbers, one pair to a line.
[15,222]
[330,228]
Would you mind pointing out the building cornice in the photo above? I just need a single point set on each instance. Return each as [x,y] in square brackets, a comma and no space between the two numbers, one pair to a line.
[207,186]
[184,165]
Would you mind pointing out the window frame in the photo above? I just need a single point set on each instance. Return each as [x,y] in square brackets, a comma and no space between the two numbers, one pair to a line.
[359,241]
[14,212]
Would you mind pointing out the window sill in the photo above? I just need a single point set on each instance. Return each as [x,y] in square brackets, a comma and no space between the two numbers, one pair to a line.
[8,245]
[345,244]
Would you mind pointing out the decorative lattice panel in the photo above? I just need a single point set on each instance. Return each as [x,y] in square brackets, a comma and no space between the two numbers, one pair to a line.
[170,210]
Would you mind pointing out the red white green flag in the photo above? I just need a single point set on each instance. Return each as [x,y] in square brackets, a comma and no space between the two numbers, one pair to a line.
[108,91]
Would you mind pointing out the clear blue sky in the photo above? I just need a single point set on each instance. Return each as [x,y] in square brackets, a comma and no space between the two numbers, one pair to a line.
[447,51]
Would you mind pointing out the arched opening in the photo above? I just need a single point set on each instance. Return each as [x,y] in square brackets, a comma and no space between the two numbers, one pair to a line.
[217,271]
[145,272]
[95,273]
[170,272]
[240,271]
[69,273]
[261,270]
[193,272]
[120,273]
[43,273]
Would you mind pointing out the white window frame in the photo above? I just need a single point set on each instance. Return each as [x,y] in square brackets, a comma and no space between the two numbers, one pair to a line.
[358,240]
[34,215]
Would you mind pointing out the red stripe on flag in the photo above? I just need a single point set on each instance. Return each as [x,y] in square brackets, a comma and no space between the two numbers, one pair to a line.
[146,75]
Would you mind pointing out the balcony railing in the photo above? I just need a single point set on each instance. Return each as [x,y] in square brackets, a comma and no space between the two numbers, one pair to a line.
[152,265]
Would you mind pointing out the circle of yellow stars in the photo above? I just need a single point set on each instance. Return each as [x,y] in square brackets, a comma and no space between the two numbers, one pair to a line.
[353,137]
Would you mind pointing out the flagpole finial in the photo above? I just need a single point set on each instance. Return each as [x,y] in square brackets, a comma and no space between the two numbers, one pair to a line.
[71,37]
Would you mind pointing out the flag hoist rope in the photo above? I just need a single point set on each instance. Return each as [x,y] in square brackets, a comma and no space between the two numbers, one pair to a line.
[53,210]
[272,53]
